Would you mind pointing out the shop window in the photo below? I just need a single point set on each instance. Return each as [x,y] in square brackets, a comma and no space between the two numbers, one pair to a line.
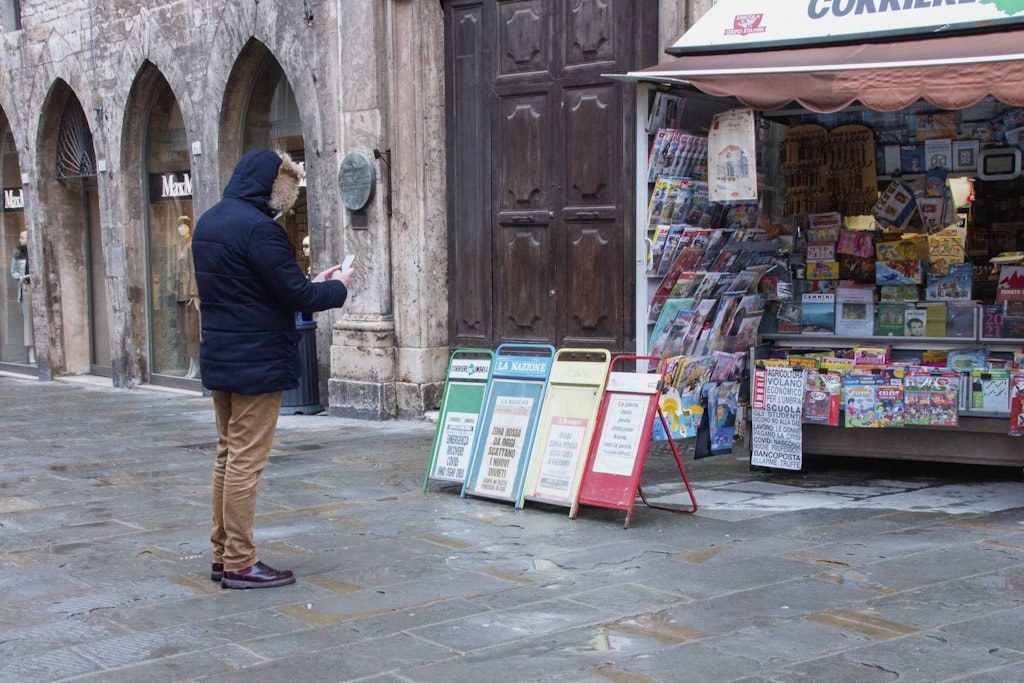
[10,14]
[173,299]
[16,338]
[272,121]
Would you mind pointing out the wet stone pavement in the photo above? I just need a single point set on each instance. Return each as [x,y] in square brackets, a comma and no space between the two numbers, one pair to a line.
[848,571]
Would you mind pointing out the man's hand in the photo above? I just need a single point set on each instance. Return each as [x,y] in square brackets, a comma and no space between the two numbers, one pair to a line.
[326,274]
[336,273]
[344,275]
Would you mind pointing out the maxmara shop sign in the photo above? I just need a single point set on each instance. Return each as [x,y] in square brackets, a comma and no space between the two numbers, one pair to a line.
[173,185]
[14,200]
[742,23]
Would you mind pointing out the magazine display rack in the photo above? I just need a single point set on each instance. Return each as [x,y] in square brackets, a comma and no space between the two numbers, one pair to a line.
[889,269]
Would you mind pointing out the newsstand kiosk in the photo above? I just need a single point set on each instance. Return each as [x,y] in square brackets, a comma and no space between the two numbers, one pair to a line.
[882,251]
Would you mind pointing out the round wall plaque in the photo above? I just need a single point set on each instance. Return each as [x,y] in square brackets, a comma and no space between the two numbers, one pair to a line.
[356,178]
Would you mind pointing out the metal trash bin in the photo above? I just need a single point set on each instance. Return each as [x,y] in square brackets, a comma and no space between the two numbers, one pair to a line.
[305,398]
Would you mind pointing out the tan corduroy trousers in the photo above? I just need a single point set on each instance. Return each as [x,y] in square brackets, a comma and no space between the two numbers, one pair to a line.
[245,433]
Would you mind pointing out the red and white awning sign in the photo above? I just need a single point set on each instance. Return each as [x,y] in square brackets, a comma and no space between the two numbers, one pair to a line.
[732,25]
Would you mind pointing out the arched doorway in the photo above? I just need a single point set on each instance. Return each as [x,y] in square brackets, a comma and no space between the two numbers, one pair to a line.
[272,121]
[78,314]
[261,109]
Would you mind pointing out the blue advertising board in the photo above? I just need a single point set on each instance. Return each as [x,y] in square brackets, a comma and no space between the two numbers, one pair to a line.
[508,421]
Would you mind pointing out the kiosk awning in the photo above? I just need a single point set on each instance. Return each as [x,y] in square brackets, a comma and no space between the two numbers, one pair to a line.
[757,58]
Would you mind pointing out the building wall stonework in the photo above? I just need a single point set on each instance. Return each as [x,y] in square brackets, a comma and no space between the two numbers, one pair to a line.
[367,75]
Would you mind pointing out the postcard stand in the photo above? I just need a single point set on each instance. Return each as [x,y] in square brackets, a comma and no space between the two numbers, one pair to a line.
[567,421]
[508,421]
[468,370]
[618,450]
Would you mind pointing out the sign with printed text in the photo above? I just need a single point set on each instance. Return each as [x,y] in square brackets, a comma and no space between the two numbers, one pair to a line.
[618,449]
[739,24]
[776,412]
[508,421]
[566,425]
[461,400]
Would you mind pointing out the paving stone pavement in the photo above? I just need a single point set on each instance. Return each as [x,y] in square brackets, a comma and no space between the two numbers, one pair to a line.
[850,570]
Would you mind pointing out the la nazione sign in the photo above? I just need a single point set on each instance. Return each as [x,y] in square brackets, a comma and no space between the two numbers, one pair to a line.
[741,24]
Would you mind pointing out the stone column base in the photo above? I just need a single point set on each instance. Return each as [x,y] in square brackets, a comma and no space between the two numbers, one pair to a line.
[362,400]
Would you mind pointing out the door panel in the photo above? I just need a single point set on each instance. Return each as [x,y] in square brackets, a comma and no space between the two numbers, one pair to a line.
[526,308]
[590,32]
[469,206]
[524,38]
[550,137]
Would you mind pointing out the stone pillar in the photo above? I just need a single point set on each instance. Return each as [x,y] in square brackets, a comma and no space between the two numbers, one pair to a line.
[362,382]
[419,249]
[389,345]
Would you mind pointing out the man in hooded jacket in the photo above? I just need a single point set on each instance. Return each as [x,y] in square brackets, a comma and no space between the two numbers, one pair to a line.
[250,288]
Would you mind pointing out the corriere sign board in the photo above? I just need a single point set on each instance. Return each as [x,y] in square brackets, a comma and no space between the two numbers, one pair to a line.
[468,370]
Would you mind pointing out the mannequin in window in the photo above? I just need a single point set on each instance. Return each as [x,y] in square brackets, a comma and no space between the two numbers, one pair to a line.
[305,252]
[20,272]
[187,297]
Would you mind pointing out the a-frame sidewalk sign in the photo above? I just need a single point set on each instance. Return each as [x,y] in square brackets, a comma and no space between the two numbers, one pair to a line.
[468,370]
[508,421]
[567,421]
[618,450]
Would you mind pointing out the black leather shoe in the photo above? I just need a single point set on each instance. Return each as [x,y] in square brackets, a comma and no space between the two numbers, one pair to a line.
[216,571]
[257,576]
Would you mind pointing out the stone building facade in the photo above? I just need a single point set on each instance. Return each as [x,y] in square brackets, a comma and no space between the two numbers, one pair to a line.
[121,124]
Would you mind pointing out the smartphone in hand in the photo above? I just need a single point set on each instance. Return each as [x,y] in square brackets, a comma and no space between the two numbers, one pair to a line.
[347,263]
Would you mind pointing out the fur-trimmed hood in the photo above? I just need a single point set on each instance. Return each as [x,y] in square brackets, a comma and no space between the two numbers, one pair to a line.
[266,179]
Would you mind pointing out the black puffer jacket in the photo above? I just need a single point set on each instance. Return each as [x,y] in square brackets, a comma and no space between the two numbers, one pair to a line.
[250,287]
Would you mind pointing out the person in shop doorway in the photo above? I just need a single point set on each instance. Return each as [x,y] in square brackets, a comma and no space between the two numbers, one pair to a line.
[251,287]
[187,297]
[20,272]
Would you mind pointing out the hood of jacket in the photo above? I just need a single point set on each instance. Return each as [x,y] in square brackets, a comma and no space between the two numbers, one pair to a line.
[266,179]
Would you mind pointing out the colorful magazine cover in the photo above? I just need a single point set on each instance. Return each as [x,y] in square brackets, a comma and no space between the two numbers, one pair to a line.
[821,397]
[899,293]
[1017,403]
[955,285]
[930,398]
[874,398]
[859,243]
[818,313]
[723,402]
[683,412]
[905,272]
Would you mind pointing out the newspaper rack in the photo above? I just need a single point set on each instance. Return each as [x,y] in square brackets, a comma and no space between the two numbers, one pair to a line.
[611,478]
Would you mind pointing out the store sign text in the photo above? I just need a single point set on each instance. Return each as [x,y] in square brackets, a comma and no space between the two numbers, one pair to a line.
[817,9]
[171,187]
[13,200]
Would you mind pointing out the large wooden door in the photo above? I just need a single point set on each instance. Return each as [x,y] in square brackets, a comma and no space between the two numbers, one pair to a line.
[541,167]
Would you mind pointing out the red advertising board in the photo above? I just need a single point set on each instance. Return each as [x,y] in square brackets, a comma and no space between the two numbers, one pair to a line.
[619,447]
